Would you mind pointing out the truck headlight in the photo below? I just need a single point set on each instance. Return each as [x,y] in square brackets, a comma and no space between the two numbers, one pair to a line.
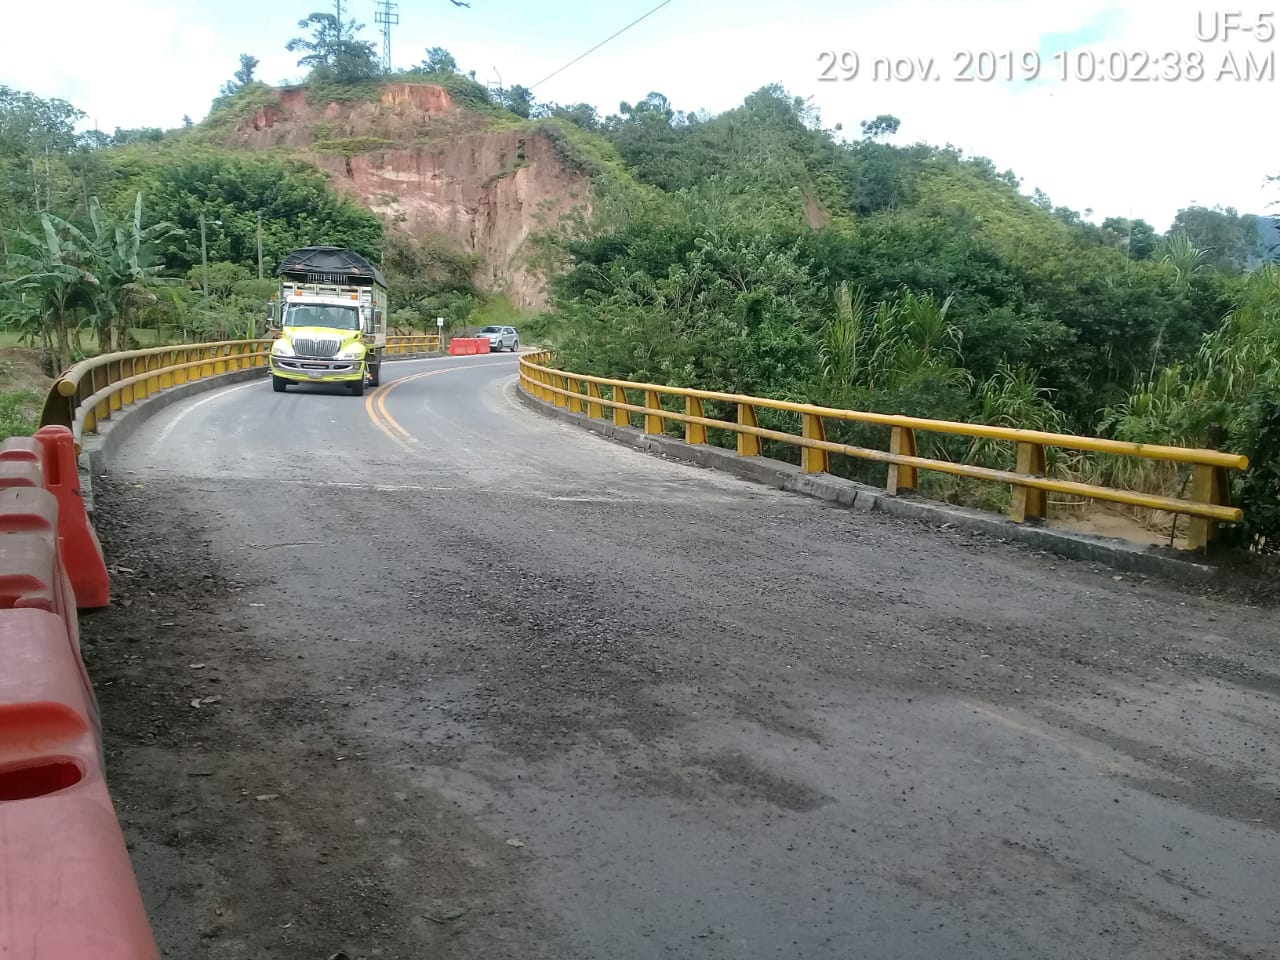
[353,352]
[282,348]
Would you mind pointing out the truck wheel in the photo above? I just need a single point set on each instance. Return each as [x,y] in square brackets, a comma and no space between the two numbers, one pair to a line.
[375,374]
[357,387]
[278,384]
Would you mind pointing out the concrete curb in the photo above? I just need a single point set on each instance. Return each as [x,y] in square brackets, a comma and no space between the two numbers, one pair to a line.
[1117,554]
[98,448]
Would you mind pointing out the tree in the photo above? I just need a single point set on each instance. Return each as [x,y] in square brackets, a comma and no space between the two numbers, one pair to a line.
[244,76]
[241,79]
[1180,252]
[518,99]
[885,125]
[1137,238]
[297,207]
[127,267]
[439,60]
[582,115]
[123,137]
[34,134]
[54,281]
[1228,239]
[333,50]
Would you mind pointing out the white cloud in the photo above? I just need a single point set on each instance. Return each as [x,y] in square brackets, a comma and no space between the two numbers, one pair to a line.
[1113,147]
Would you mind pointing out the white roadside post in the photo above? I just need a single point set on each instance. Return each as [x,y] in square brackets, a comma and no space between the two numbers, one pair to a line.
[440,332]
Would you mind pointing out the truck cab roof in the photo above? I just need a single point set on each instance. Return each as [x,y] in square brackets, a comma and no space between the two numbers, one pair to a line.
[329,264]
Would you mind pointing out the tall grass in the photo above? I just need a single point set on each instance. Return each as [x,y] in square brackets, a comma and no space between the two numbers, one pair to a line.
[19,413]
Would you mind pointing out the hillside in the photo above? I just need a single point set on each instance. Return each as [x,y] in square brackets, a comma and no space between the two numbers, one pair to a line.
[432,168]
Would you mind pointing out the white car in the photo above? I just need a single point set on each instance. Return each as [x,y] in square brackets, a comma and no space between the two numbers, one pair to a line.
[501,338]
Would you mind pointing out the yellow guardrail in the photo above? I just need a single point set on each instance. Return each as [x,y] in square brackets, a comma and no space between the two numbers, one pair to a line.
[425,343]
[1209,488]
[94,389]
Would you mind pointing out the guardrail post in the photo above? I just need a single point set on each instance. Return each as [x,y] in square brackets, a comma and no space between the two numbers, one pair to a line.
[621,418]
[1028,501]
[654,423]
[902,476]
[694,432]
[1208,485]
[575,391]
[594,410]
[748,443]
[814,459]
[141,389]
[114,402]
[561,383]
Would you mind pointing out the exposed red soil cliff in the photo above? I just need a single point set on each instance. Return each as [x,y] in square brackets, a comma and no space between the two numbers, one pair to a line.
[430,167]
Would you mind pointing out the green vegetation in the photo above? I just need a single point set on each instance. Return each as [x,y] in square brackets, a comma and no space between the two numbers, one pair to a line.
[19,413]
[354,146]
[773,258]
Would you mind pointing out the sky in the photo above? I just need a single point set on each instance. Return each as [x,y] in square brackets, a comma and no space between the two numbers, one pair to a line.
[1116,146]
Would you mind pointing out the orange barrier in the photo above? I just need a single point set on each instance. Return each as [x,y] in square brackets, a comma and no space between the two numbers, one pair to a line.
[81,550]
[27,513]
[67,888]
[466,346]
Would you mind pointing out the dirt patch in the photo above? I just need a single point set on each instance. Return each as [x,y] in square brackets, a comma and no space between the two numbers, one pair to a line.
[21,370]
[815,214]
[1109,522]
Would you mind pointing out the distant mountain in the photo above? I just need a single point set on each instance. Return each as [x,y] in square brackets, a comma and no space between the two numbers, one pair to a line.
[1269,230]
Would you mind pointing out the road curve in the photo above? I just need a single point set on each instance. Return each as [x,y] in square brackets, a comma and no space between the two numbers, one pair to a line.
[424,673]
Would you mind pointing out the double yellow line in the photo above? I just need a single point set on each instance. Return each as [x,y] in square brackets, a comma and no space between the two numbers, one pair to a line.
[375,405]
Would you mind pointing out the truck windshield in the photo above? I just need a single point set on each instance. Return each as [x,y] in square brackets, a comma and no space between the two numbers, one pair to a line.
[321,315]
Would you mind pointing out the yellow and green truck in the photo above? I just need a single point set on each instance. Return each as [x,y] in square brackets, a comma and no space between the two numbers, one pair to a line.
[332,319]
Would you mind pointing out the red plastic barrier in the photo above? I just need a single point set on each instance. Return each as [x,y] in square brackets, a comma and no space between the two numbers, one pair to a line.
[29,534]
[81,551]
[466,346]
[22,449]
[20,473]
[67,888]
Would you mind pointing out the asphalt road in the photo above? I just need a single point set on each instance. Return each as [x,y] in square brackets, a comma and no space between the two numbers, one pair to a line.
[425,674]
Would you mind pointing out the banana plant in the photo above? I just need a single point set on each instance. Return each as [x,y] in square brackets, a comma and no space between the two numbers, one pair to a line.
[125,252]
[55,280]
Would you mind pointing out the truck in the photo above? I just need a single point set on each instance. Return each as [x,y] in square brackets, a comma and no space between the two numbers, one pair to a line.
[331,315]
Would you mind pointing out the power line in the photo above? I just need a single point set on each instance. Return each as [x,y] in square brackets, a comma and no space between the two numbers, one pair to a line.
[601,44]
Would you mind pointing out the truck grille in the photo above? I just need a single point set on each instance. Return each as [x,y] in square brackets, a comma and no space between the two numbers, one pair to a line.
[316,348]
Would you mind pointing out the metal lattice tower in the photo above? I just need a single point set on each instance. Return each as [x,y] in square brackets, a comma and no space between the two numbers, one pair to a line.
[385,16]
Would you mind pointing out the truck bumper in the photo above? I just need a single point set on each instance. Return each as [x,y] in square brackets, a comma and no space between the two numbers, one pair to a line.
[317,371]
